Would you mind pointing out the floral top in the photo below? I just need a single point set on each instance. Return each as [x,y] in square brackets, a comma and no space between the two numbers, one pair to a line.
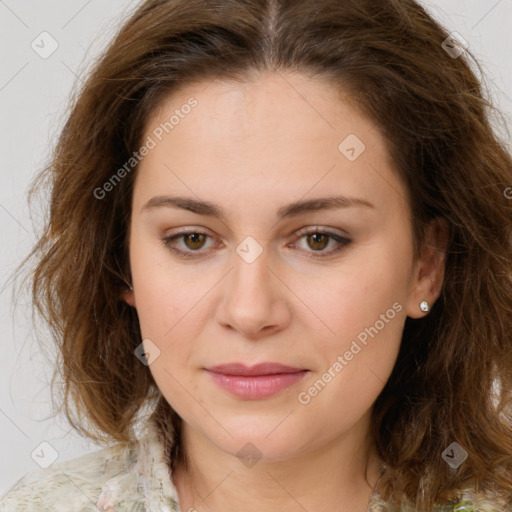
[134,478]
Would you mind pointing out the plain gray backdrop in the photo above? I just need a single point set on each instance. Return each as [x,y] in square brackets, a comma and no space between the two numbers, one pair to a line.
[34,90]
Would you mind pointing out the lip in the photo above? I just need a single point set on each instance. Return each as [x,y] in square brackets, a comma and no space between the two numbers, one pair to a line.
[256,370]
[255,382]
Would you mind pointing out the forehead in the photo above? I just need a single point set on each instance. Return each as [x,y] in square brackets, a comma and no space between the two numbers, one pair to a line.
[309,108]
[288,132]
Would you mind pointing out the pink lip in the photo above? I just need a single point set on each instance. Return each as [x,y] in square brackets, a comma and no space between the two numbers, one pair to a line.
[258,369]
[256,382]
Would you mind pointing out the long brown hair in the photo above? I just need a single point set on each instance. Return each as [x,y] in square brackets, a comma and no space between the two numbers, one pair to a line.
[430,106]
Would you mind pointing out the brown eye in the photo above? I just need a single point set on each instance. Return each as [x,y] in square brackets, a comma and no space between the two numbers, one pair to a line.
[316,240]
[319,241]
[196,240]
[192,242]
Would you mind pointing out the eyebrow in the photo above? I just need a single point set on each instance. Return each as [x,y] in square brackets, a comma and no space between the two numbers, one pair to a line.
[291,210]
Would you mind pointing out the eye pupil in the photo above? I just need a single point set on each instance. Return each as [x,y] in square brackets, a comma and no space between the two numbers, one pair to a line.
[193,237]
[317,236]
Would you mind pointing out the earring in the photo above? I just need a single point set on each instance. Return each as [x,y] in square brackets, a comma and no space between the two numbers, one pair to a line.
[424,306]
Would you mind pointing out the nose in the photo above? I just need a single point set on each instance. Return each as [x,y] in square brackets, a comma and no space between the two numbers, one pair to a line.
[255,299]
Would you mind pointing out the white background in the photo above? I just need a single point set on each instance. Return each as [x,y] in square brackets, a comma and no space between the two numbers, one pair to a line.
[33,98]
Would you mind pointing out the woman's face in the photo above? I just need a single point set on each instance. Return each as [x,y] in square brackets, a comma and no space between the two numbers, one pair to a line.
[256,164]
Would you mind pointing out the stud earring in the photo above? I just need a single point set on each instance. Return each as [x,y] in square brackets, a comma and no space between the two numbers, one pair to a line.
[424,306]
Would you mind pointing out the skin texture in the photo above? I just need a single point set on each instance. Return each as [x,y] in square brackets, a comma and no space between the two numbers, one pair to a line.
[252,149]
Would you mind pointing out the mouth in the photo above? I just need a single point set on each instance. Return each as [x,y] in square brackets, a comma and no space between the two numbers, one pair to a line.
[257,370]
[255,382]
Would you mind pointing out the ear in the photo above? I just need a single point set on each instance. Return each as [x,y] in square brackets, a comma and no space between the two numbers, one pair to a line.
[129,297]
[429,270]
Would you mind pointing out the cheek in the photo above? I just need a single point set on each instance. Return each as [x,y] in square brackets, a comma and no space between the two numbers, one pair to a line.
[171,303]
[364,286]
[163,295]
[363,314]
[357,360]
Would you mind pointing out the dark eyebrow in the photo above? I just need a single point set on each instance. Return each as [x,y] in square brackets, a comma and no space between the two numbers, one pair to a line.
[290,210]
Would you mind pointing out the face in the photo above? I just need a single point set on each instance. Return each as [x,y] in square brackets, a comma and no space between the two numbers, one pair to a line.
[322,288]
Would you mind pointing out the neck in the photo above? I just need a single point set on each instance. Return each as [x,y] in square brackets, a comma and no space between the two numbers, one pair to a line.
[338,476]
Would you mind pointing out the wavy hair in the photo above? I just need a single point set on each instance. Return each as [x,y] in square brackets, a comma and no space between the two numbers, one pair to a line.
[452,381]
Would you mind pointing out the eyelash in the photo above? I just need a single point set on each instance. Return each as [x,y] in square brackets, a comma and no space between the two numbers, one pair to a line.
[343,241]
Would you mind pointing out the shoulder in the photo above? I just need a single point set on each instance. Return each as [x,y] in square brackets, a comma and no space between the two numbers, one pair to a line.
[469,500]
[480,501]
[125,477]
[71,484]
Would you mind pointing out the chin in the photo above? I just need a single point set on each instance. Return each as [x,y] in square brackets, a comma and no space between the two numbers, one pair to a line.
[260,440]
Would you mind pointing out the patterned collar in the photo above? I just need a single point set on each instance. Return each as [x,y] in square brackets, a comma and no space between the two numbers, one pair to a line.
[148,478]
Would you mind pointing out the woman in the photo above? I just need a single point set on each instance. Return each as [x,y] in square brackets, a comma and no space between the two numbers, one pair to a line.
[287,226]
